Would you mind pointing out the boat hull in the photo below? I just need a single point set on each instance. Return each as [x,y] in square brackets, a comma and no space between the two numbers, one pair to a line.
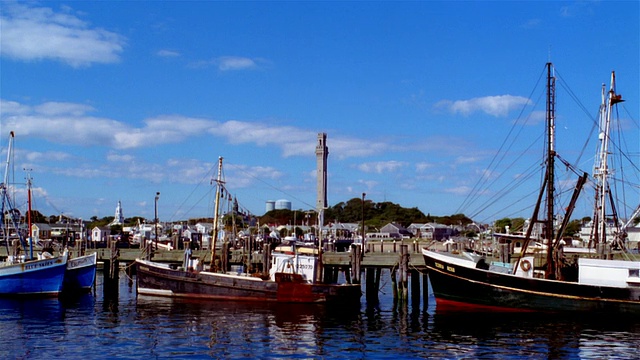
[160,280]
[460,284]
[33,278]
[80,274]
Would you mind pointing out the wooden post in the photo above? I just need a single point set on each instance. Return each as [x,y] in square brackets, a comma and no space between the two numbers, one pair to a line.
[372,286]
[266,259]
[415,288]
[111,272]
[355,263]
[224,257]
[404,270]
[394,286]
[425,291]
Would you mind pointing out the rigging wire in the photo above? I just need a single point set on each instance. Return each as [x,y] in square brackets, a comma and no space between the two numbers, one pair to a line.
[239,168]
[474,194]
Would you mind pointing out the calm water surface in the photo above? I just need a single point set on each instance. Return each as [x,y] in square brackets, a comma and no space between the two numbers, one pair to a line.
[130,327]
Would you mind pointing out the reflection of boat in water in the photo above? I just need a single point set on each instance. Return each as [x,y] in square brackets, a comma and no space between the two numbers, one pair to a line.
[22,274]
[559,283]
[290,273]
[81,273]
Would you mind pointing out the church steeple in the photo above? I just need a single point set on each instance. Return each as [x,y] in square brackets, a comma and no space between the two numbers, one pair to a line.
[118,219]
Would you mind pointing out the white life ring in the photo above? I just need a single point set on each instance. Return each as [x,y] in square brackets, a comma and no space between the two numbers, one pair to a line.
[525,265]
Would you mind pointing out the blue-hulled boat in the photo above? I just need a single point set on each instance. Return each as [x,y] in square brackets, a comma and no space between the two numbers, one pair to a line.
[42,277]
[80,274]
[22,274]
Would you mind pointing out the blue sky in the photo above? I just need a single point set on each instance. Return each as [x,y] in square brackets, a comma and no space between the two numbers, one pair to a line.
[115,101]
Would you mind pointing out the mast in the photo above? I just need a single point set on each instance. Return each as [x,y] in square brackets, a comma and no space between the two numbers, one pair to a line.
[548,182]
[29,216]
[14,216]
[219,183]
[4,187]
[601,168]
[551,152]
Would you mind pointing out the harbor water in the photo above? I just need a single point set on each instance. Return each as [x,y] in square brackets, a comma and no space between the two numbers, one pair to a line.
[137,327]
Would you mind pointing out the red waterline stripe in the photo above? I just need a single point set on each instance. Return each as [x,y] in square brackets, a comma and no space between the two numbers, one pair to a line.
[452,305]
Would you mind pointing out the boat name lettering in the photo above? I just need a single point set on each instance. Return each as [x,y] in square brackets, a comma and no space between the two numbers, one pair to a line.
[305,267]
[439,266]
[451,269]
[38,265]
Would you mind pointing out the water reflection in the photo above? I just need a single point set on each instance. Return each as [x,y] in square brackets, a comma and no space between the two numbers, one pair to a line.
[130,326]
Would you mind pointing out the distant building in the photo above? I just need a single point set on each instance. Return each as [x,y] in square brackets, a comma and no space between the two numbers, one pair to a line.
[118,218]
[100,234]
[283,205]
[270,206]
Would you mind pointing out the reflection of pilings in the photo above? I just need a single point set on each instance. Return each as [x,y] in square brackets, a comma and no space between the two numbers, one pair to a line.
[373,285]
[415,287]
[111,272]
[425,291]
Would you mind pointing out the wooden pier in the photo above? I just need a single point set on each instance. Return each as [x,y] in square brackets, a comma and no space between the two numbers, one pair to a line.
[403,260]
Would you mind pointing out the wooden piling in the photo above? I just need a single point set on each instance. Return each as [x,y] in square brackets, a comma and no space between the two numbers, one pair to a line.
[415,287]
[404,270]
[394,285]
[111,270]
[372,286]
[266,259]
[356,258]
[224,257]
[425,291]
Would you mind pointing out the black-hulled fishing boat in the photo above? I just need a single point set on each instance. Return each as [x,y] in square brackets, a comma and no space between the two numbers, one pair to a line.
[595,285]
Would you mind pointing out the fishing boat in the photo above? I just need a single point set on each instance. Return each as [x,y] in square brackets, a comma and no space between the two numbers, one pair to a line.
[80,274]
[553,282]
[291,273]
[22,274]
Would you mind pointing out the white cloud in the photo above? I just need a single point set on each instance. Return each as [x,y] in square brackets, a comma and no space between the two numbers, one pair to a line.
[35,33]
[12,108]
[382,166]
[467,159]
[46,156]
[168,53]
[497,106]
[230,63]
[59,108]
[67,123]
[423,166]
[460,190]
[226,63]
[113,157]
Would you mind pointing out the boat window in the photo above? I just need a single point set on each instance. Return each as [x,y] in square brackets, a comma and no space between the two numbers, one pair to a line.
[634,273]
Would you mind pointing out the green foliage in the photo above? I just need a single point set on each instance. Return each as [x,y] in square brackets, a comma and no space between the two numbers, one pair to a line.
[116,229]
[500,225]
[133,221]
[573,227]
[37,217]
[376,215]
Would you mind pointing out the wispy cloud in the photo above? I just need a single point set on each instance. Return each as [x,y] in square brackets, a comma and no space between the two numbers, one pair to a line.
[498,106]
[231,63]
[380,167]
[68,123]
[36,33]
[167,53]
[226,63]
[531,24]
